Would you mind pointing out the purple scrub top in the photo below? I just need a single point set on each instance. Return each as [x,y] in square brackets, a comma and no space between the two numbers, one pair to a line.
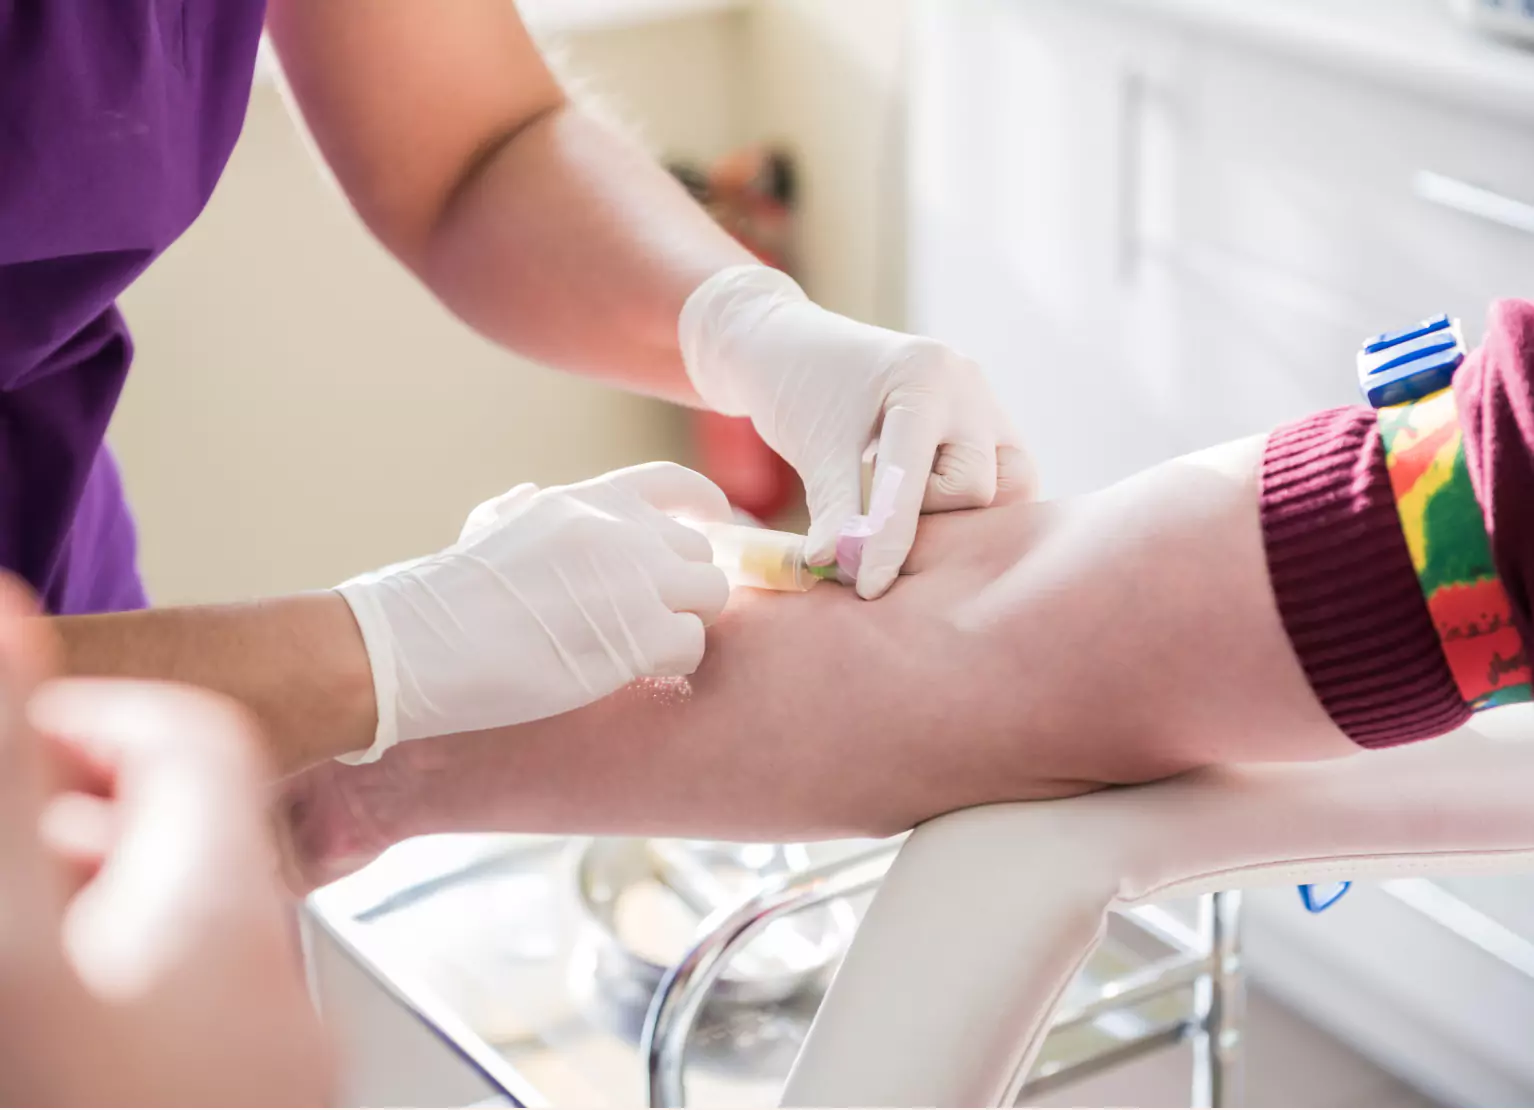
[116,119]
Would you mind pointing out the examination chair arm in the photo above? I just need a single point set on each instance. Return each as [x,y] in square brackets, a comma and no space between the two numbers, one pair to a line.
[988,914]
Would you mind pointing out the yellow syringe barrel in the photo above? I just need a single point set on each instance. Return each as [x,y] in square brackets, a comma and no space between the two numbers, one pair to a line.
[762,559]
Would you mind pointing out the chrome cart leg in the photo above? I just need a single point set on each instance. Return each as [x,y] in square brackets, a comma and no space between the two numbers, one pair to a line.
[1219,1004]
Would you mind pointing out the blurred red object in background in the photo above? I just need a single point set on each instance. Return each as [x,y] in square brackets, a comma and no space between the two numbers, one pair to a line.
[751,194]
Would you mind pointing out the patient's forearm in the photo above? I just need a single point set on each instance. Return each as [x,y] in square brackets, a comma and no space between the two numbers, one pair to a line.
[1253,602]
[781,734]
[1035,651]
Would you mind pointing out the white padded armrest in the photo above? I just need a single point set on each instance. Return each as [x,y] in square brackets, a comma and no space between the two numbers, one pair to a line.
[988,914]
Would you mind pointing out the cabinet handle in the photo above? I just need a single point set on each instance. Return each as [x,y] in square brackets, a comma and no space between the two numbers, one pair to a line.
[1131,123]
[1472,200]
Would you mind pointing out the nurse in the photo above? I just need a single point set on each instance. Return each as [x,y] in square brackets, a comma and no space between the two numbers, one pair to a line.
[542,229]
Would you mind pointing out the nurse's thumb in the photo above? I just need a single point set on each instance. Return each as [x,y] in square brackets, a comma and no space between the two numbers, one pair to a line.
[1017,479]
[488,514]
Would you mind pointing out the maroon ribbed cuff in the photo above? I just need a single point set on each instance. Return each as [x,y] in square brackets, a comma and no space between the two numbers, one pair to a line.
[1345,586]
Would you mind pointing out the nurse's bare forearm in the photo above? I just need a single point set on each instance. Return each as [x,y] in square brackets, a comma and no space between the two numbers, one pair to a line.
[571,245]
[550,233]
[297,662]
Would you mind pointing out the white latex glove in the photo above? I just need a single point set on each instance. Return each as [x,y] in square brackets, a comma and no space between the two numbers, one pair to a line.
[549,600]
[821,388]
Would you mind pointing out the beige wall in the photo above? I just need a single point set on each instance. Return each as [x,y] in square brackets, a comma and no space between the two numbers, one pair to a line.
[827,79]
[676,85]
[301,410]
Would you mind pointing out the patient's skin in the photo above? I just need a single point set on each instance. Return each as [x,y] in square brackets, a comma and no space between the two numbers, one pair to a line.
[1033,651]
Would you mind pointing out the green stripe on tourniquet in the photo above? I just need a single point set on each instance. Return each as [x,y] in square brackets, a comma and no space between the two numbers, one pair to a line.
[1445,532]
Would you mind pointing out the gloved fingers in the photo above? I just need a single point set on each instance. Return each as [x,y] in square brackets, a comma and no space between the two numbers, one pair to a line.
[963,476]
[687,543]
[679,647]
[698,588]
[654,494]
[674,490]
[834,493]
[489,514]
[1016,478]
[909,439]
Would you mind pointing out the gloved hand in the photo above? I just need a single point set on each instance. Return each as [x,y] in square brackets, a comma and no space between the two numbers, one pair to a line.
[821,388]
[549,600]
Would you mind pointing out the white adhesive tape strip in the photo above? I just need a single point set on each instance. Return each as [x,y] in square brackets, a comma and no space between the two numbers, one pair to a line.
[881,506]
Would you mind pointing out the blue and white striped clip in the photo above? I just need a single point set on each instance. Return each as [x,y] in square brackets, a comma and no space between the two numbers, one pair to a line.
[1409,365]
[1322,896]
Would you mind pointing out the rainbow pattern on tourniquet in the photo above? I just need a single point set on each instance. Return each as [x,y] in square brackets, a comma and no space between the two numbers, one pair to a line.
[1446,535]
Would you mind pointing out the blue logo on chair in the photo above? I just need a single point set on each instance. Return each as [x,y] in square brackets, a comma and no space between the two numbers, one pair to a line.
[1321,896]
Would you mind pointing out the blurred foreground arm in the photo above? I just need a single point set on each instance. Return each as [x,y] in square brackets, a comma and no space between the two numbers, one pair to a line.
[147,956]
[544,229]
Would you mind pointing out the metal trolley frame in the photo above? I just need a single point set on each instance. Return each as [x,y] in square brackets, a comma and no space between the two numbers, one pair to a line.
[1205,957]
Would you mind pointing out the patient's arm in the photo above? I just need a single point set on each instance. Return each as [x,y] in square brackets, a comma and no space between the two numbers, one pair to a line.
[1034,651]
[1249,603]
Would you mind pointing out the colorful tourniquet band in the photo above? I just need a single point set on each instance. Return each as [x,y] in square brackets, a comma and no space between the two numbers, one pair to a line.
[1446,535]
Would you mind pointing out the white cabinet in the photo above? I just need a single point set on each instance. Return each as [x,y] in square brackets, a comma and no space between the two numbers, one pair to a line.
[1158,230]
[1292,224]
[1018,211]
[1157,239]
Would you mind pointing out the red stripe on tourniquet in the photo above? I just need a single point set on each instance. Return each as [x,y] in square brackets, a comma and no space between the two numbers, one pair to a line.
[1413,462]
